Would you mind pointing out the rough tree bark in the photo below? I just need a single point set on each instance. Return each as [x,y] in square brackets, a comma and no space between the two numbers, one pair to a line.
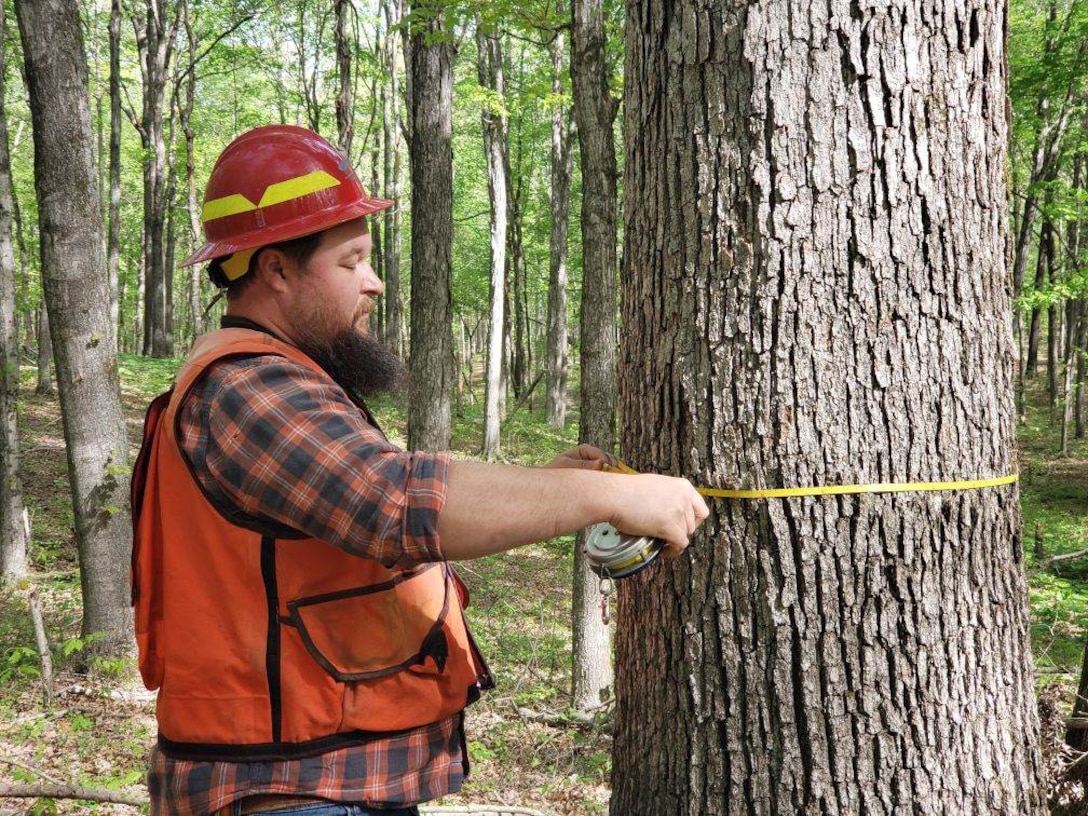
[13,539]
[556,363]
[430,112]
[494,127]
[594,113]
[77,295]
[815,292]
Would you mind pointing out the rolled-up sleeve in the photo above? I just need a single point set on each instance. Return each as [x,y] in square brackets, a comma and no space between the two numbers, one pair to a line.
[286,445]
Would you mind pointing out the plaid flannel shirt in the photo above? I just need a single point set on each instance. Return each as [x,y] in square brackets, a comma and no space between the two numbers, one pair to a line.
[272,440]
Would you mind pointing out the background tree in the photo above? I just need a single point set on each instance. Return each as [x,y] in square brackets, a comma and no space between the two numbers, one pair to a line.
[77,296]
[594,112]
[13,539]
[156,35]
[557,248]
[494,126]
[822,299]
[430,103]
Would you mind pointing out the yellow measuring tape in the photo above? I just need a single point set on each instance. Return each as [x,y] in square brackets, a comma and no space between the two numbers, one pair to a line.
[839,490]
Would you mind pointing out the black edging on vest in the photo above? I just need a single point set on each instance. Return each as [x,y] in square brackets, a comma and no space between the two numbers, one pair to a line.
[272,650]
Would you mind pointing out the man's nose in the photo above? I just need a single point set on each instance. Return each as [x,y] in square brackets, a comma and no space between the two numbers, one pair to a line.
[371,284]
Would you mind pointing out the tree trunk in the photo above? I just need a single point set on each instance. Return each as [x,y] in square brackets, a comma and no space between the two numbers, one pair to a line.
[1074,320]
[594,112]
[556,364]
[430,111]
[77,295]
[815,292]
[490,70]
[522,356]
[13,538]
[44,388]
[377,257]
[25,265]
[345,108]
[156,47]
[394,319]
[185,114]
[1042,280]
[1078,389]
[113,236]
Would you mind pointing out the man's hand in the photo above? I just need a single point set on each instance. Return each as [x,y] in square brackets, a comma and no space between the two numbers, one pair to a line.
[659,506]
[585,457]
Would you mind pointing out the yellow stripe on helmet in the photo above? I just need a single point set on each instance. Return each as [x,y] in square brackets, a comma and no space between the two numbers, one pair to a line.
[228,205]
[277,193]
[297,187]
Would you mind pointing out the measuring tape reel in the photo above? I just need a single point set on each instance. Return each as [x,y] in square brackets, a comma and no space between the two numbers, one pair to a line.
[612,554]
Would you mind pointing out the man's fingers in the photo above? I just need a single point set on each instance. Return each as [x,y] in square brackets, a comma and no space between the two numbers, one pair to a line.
[702,512]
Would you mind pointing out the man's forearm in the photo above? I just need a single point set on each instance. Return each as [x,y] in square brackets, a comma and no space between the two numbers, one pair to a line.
[491,508]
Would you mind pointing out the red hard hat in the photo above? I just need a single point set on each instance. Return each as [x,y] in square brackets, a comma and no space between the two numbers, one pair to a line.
[276,183]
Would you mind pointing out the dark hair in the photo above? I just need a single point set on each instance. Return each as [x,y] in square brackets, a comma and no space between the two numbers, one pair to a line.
[299,250]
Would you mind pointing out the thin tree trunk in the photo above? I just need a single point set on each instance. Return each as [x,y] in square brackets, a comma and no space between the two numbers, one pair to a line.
[345,107]
[13,538]
[77,295]
[595,113]
[556,363]
[522,361]
[377,319]
[1072,350]
[1082,354]
[391,124]
[803,309]
[113,236]
[156,48]
[494,126]
[169,208]
[195,275]
[430,111]
[25,272]
[1042,279]
[44,388]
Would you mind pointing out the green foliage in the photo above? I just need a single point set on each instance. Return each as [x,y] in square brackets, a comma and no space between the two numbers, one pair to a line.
[20,661]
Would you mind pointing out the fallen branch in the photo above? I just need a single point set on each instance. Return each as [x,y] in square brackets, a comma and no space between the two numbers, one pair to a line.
[43,645]
[29,769]
[1057,559]
[557,719]
[39,790]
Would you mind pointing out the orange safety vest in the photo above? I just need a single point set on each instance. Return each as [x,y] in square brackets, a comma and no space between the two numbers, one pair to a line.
[266,643]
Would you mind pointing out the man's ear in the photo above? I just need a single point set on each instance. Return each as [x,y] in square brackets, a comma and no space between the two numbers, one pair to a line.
[271,269]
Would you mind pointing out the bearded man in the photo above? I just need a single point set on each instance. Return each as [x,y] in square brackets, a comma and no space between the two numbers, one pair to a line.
[295,604]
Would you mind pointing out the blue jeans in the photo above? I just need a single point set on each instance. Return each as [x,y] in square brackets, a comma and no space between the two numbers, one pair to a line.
[332,809]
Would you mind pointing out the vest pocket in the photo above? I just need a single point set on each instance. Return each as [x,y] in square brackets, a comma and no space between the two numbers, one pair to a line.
[380,629]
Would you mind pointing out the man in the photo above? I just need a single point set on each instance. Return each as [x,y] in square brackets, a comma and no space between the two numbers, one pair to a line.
[295,606]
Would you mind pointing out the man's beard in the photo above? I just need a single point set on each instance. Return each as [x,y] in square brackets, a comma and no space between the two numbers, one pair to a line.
[360,364]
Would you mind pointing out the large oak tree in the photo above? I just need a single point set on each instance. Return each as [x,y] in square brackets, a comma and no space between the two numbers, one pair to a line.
[816,292]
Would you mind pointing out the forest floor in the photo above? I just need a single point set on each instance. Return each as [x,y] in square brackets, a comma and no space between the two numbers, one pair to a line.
[99,727]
